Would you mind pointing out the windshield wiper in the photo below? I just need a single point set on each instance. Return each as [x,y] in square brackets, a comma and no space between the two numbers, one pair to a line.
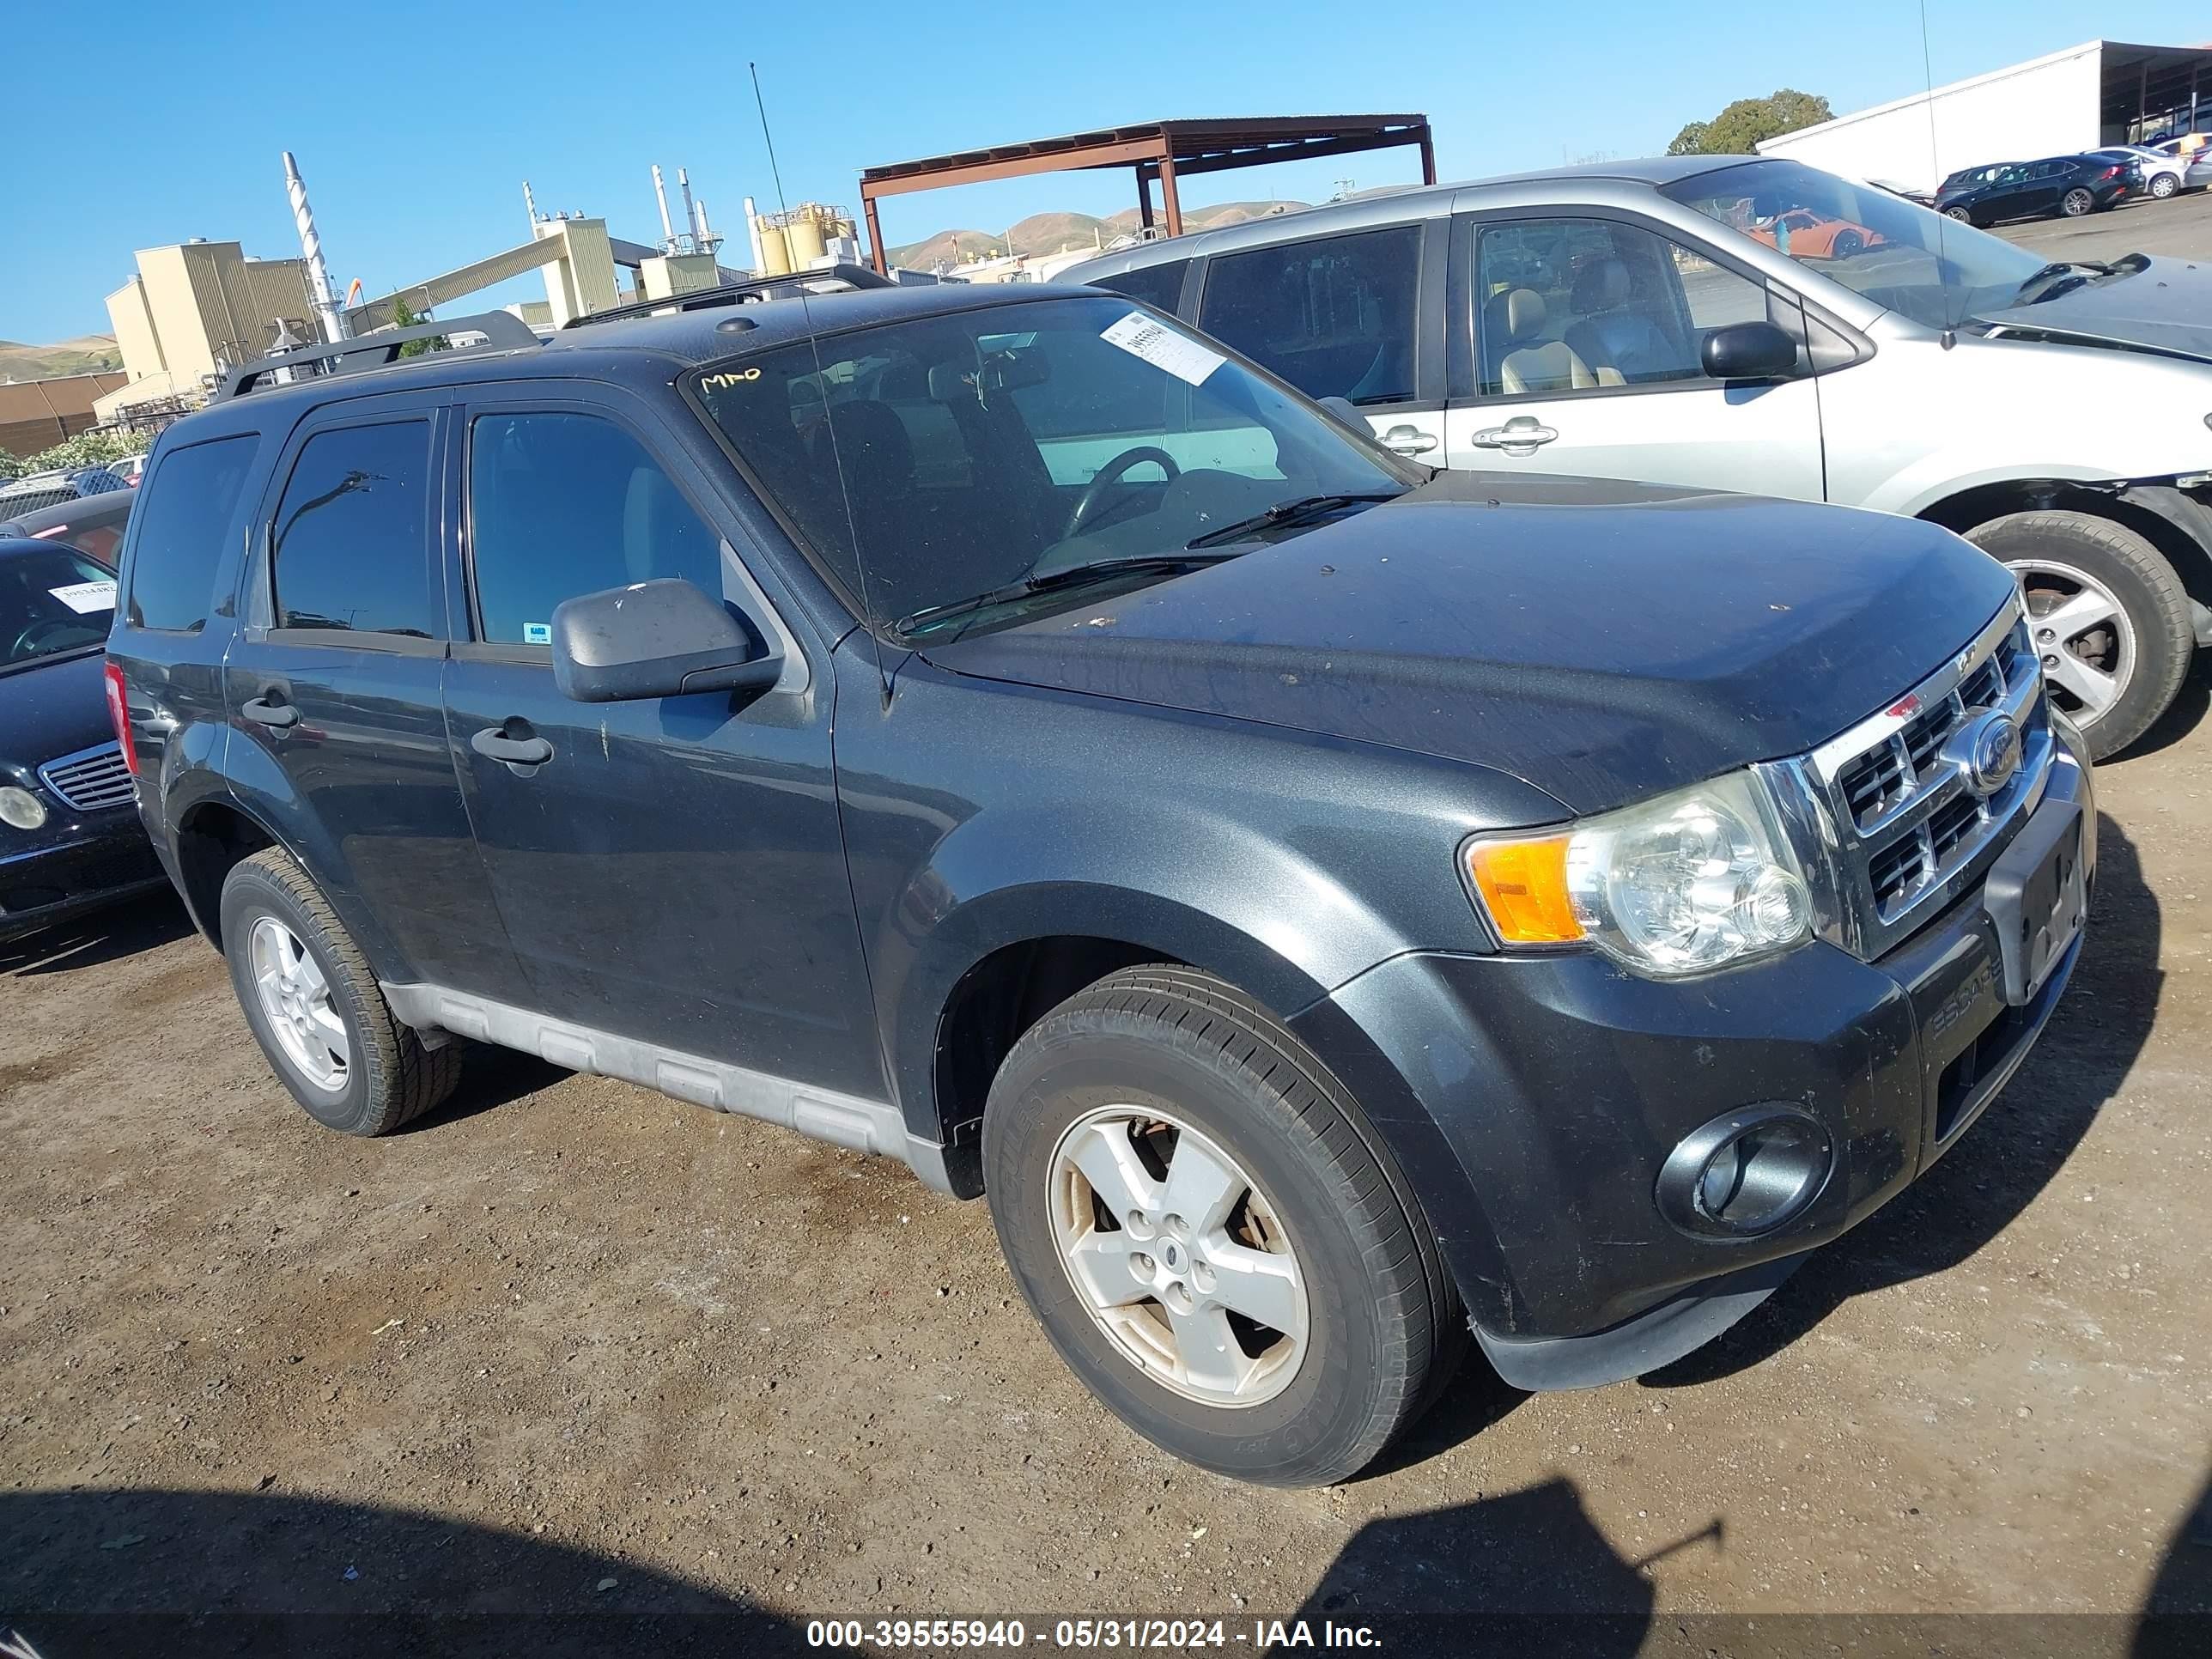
[1283,512]
[1073,575]
[2060,268]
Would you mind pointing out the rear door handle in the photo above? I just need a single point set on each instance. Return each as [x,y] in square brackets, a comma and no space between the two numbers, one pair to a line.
[494,743]
[1409,441]
[1518,436]
[269,708]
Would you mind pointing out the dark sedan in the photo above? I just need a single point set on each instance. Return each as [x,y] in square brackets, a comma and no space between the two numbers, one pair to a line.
[69,834]
[2068,185]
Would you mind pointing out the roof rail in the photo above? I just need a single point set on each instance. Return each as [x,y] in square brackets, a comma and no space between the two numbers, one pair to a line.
[502,330]
[746,290]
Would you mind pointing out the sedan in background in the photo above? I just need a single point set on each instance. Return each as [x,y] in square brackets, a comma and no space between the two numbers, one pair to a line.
[93,524]
[69,834]
[2067,185]
[2157,175]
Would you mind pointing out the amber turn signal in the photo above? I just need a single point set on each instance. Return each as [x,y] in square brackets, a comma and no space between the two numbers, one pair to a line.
[1523,886]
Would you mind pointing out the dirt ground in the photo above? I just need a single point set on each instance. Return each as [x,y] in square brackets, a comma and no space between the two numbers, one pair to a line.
[571,1346]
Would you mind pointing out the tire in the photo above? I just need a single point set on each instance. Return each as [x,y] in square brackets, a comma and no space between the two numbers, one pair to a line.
[1849,244]
[2146,649]
[2077,203]
[1960,214]
[2164,185]
[388,1078]
[1383,1328]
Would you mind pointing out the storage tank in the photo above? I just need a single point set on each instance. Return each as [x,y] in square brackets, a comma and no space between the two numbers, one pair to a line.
[805,234]
[774,250]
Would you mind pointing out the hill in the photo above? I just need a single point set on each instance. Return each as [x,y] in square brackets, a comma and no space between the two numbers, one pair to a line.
[1050,233]
[38,362]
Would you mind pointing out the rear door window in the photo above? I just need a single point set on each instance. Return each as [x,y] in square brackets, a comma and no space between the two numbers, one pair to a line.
[349,551]
[1335,317]
[561,504]
[187,514]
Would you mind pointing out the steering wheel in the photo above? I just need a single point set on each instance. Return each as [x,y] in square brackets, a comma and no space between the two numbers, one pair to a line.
[1111,474]
[27,642]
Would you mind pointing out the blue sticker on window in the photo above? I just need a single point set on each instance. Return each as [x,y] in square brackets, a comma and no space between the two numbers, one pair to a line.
[538,633]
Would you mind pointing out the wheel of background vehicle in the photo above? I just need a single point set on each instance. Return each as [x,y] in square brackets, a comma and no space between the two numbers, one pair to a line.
[2164,185]
[2107,615]
[1847,244]
[1959,213]
[2078,201]
[315,1008]
[1211,1233]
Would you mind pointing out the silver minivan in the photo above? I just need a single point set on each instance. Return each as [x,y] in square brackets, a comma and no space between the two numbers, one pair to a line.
[1727,323]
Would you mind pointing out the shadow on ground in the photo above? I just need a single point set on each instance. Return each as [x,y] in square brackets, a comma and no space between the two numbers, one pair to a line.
[180,1573]
[2003,1161]
[2177,1621]
[153,917]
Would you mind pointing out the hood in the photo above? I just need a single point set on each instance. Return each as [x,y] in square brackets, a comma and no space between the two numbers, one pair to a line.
[2148,304]
[1601,641]
[49,709]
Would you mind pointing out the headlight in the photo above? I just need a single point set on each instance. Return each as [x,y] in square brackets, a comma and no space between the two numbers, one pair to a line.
[1692,881]
[21,808]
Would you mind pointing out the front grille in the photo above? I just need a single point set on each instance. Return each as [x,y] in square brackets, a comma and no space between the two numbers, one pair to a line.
[1909,829]
[91,779]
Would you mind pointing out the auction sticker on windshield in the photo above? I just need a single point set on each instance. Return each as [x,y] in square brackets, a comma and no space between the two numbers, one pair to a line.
[1161,347]
[85,598]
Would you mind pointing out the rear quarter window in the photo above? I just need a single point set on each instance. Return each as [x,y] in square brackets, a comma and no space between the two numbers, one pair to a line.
[186,516]
[1159,286]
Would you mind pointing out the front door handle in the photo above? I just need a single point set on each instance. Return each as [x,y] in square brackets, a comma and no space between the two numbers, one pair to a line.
[1518,436]
[269,708]
[1409,441]
[496,743]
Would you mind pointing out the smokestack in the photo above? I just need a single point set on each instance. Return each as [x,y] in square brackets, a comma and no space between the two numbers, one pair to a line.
[752,230]
[660,195]
[698,222]
[310,252]
[690,214]
[530,206]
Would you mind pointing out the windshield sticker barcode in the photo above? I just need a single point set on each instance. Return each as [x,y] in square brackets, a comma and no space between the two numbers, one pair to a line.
[85,598]
[1161,347]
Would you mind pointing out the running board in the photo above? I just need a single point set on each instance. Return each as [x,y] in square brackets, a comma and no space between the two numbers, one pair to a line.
[864,1126]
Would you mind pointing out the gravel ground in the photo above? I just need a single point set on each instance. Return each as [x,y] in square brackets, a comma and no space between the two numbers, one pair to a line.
[569,1331]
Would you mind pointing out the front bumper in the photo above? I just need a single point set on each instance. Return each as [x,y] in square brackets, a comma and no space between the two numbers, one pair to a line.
[1559,1085]
[79,864]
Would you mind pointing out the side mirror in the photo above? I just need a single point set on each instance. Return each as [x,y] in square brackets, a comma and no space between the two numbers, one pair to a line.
[1749,351]
[658,639]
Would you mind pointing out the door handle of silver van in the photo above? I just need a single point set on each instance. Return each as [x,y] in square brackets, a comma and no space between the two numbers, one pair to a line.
[1518,436]
[1409,441]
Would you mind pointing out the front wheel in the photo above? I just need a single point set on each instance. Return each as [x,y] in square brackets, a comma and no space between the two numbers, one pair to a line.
[2107,616]
[1211,1233]
[2078,201]
[1960,214]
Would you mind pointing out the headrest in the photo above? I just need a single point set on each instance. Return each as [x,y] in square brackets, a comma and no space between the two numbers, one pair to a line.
[1517,315]
[1603,286]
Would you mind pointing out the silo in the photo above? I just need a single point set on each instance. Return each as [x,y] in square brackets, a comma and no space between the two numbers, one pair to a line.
[805,234]
[774,250]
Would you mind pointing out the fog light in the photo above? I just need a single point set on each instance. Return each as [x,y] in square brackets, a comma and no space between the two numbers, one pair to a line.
[21,808]
[1746,1173]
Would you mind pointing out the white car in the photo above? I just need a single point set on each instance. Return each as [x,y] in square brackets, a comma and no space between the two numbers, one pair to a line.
[1720,322]
[2161,175]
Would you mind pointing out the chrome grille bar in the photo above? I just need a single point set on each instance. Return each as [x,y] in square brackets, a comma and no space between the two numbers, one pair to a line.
[91,779]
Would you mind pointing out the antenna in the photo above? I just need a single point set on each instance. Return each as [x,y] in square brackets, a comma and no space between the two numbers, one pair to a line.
[836,449]
[1935,160]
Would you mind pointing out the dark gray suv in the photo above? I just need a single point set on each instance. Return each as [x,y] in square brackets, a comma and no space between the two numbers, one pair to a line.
[1326,907]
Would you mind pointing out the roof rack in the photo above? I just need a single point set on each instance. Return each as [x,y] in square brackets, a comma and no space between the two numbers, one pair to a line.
[746,290]
[502,330]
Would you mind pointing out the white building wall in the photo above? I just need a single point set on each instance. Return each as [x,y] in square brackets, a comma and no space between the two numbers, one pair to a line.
[2047,106]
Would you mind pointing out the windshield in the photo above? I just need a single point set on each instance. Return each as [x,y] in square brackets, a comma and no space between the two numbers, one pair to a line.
[53,600]
[1900,256]
[1014,444]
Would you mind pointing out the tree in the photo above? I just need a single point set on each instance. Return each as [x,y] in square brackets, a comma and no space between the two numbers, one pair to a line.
[405,316]
[1737,129]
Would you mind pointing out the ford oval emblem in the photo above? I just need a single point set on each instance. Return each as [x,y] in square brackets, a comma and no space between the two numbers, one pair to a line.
[1986,752]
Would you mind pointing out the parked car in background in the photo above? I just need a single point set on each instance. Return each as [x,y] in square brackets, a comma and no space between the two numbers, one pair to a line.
[1968,178]
[92,524]
[1627,319]
[1316,901]
[2156,174]
[50,488]
[2068,187]
[69,834]
[130,468]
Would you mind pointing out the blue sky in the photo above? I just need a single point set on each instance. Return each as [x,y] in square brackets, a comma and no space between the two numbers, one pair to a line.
[415,130]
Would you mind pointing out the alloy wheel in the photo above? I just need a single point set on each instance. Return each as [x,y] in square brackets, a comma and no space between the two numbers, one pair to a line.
[296,1002]
[2081,636]
[2077,203]
[1178,1256]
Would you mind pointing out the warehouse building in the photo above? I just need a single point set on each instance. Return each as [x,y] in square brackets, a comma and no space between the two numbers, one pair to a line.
[2101,92]
[192,309]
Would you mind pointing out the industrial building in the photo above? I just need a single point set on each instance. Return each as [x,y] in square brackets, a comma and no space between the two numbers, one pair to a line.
[2098,93]
[35,415]
[194,308]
